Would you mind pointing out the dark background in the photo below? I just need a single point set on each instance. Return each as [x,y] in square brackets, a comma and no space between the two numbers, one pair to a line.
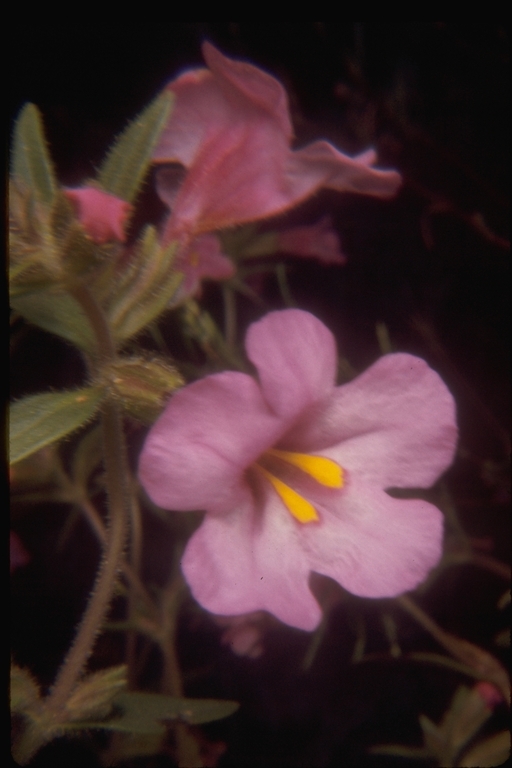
[433,264]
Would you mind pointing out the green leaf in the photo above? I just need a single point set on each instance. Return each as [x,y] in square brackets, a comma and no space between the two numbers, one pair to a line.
[39,420]
[57,313]
[146,712]
[492,752]
[147,288]
[128,160]
[401,750]
[87,456]
[24,690]
[466,715]
[93,696]
[31,162]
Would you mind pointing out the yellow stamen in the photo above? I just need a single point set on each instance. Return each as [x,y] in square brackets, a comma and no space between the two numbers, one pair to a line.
[325,471]
[301,509]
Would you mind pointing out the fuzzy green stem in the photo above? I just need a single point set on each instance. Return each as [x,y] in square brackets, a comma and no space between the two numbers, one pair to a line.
[53,709]
[187,748]
[116,467]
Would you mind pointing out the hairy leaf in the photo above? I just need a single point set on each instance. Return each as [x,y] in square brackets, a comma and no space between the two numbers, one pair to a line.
[31,163]
[39,420]
[128,160]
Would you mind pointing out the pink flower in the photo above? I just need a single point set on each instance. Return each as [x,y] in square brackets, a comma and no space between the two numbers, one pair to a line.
[202,258]
[319,241]
[103,216]
[488,692]
[244,634]
[231,129]
[292,472]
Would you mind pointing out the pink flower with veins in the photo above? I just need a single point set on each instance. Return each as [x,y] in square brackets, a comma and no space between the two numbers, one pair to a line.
[292,472]
[231,130]
[102,215]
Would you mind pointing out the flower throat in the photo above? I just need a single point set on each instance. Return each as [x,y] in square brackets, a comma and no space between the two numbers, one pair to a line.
[325,471]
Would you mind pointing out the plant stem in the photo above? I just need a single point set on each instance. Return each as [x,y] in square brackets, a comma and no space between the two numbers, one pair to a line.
[485,665]
[187,748]
[229,316]
[115,466]
[53,709]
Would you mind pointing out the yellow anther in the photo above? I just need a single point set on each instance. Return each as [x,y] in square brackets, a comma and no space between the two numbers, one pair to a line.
[325,471]
[301,509]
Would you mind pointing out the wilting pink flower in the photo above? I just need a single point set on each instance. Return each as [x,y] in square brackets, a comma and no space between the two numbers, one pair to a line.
[292,472]
[103,216]
[318,241]
[231,129]
[202,258]
[244,634]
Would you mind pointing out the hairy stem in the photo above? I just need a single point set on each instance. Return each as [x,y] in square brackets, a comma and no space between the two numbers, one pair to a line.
[53,710]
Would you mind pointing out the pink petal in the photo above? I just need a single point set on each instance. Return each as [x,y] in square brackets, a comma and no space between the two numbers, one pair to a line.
[103,216]
[208,102]
[319,241]
[393,426]
[322,165]
[231,128]
[202,259]
[374,545]
[251,559]
[196,452]
[296,359]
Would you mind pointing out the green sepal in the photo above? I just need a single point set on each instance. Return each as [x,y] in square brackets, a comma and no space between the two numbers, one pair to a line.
[247,243]
[31,163]
[143,385]
[127,162]
[147,287]
[24,690]
[77,252]
[33,259]
[58,313]
[40,420]
[94,695]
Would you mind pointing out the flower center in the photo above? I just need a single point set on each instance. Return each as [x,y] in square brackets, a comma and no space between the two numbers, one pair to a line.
[324,471]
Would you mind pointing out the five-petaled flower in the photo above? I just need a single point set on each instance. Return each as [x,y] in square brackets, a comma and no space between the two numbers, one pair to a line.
[230,129]
[292,472]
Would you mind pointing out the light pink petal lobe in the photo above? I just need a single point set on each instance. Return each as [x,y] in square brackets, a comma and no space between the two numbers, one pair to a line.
[196,452]
[321,165]
[249,560]
[258,88]
[393,426]
[375,545]
[295,356]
